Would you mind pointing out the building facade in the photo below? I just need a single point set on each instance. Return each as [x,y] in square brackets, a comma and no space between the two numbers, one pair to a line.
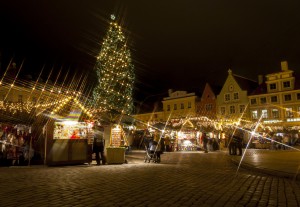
[206,107]
[277,100]
[179,104]
[232,102]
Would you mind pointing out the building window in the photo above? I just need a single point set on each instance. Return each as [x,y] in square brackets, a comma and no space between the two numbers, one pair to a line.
[175,106]
[289,112]
[273,99]
[286,84]
[236,96]
[232,110]
[298,110]
[208,107]
[182,106]
[254,114]
[253,101]
[273,86]
[155,116]
[168,108]
[298,96]
[223,110]
[264,113]
[287,97]
[275,113]
[242,108]
[263,100]
[189,105]
[227,97]
[20,98]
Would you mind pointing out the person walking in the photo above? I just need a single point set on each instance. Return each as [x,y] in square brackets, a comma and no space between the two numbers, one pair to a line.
[99,144]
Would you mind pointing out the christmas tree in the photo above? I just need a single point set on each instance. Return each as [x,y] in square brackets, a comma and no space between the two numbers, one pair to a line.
[115,73]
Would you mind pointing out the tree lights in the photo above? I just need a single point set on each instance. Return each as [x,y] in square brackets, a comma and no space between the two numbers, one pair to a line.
[115,73]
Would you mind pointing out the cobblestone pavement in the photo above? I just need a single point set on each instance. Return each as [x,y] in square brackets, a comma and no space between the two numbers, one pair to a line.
[182,179]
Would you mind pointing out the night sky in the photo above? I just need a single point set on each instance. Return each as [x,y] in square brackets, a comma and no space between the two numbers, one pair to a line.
[179,44]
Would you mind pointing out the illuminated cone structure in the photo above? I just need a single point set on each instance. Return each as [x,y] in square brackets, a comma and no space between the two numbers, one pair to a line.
[115,73]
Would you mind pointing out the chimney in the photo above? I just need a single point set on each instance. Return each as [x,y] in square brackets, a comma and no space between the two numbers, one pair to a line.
[260,79]
[284,65]
[170,91]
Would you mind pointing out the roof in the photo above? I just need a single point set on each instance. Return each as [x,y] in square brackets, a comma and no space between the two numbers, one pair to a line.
[261,89]
[245,83]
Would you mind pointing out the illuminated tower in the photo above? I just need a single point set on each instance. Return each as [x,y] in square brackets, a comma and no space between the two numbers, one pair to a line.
[115,73]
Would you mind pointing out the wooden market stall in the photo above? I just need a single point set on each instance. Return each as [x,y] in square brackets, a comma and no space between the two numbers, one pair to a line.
[68,142]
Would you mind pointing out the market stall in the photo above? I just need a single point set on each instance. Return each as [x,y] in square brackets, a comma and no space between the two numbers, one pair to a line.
[187,140]
[68,142]
[15,144]
[115,152]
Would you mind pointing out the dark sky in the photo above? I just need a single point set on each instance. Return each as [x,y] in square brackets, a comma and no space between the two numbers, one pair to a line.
[179,44]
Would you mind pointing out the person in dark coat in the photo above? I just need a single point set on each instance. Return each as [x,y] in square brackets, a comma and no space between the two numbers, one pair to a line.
[231,145]
[99,144]
[204,140]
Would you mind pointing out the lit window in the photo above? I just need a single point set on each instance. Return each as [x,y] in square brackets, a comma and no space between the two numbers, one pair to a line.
[264,113]
[254,114]
[289,112]
[275,113]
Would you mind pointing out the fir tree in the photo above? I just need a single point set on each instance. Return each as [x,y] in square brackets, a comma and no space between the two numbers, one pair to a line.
[115,73]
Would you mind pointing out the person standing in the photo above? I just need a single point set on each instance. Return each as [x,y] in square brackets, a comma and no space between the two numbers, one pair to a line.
[204,140]
[167,143]
[98,144]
